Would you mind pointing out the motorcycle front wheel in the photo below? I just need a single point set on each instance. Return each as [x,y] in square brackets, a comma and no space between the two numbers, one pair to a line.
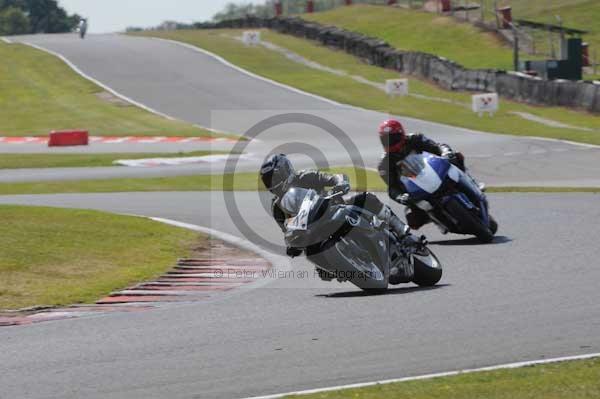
[470,223]
[428,269]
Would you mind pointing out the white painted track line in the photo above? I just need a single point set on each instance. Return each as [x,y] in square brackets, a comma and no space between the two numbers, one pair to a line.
[436,375]
[110,89]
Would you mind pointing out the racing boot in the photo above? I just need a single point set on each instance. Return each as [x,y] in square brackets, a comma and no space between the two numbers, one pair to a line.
[397,226]
[401,269]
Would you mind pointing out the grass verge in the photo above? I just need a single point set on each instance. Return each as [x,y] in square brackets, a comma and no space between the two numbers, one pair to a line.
[54,256]
[21,161]
[40,93]
[595,190]
[430,103]
[462,42]
[579,14]
[237,182]
[369,181]
[568,380]
[422,31]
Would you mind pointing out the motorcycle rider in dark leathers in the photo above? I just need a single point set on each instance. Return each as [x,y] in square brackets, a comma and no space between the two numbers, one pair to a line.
[398,145]
[278,175]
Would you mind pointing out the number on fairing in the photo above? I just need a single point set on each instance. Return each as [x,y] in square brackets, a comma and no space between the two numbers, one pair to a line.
[300,222]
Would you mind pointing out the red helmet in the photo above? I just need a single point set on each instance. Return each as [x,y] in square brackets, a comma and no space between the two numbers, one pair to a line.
[392,135]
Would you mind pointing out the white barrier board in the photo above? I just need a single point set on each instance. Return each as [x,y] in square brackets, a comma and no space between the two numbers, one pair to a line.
[485,103]
[251,38]
[396,87]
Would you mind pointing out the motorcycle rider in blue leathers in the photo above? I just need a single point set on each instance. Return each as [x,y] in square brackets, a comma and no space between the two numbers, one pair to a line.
[397,145]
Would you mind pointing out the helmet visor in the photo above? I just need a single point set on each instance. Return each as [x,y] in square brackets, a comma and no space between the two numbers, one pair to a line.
[279,175]
[391,140]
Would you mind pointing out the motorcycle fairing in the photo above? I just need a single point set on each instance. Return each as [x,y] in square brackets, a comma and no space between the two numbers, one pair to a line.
[431,175]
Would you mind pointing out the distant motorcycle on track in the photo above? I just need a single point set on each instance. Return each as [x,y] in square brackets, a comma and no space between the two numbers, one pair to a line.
[83,27]
[451,197]
[348,243]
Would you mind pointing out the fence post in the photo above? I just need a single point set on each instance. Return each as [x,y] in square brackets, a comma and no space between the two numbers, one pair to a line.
[496,14]
[482,9]
[310,6]
[516,49]
[278,9]
[551,39]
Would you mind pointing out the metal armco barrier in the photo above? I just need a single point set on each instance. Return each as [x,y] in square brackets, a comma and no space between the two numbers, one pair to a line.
[68,138]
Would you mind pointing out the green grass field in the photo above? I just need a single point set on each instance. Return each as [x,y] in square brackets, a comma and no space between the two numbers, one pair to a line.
[367,180]
[439,105]
[577,14]
[462,42]
[54,256]
[569,380]
[237,182]
[420,31]
[21,161]
[40,93]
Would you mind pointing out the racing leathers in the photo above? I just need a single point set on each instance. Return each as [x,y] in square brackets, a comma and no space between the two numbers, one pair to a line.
[320,181]
[389,170]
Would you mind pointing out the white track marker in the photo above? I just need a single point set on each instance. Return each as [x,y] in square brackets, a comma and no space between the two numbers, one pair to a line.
[430,376]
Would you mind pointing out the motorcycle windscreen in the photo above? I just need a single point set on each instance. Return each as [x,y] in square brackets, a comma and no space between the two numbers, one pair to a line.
[423,174]
[298,202]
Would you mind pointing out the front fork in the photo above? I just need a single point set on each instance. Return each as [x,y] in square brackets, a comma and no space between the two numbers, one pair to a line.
[468,186]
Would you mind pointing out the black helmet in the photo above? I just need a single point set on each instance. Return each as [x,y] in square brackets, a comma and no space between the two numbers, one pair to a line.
[276,173]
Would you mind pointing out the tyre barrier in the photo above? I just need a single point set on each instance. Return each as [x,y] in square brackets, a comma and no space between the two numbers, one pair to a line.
[68,138]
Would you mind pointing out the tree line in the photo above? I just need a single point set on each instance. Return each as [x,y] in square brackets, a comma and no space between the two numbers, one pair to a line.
[19,17]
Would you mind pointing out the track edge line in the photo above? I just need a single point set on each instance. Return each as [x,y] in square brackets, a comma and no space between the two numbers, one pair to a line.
[277,261]
[436,375]
[349,106]
[112,91]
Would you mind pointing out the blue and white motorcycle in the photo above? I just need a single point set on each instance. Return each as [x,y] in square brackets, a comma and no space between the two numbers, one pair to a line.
[451,198]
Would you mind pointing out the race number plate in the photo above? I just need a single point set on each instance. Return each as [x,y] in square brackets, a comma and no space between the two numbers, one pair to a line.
[300,221]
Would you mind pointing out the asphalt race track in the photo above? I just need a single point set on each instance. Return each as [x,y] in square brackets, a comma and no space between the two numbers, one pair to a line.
[195,87]
[531,294]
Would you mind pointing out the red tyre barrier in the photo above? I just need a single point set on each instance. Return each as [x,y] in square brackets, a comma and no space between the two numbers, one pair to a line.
[278,8]
[310,6]
[446,5]
[585,49]
[68,138]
